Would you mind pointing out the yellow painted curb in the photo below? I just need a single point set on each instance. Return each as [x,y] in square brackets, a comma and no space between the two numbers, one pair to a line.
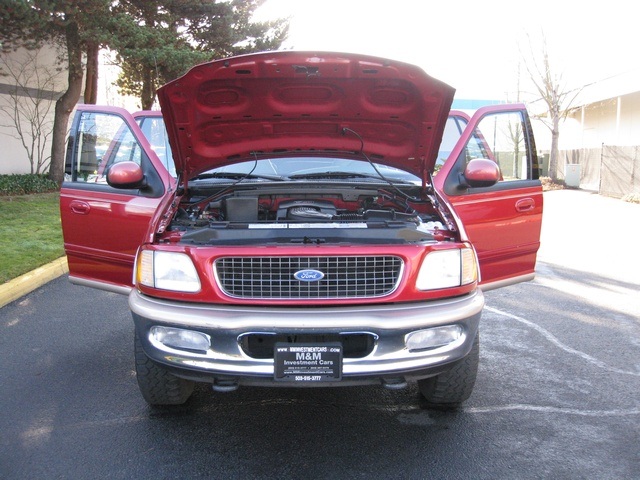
[18,287]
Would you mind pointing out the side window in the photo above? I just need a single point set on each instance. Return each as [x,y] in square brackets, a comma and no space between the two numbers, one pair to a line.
[101,140]
[501,138]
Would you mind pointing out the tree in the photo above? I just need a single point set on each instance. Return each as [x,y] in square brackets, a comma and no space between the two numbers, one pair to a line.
[552,90]
[29,103]
[161,40]
[91,77]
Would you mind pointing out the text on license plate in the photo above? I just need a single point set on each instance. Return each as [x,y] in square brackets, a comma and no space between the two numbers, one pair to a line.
[296,362]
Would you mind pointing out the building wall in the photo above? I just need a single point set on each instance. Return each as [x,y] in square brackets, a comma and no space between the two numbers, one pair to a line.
[602,138]
[614,121]
[630,120]
[40,78]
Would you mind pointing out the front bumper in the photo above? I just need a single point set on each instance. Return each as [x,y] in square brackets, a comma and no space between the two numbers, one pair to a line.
[389,361]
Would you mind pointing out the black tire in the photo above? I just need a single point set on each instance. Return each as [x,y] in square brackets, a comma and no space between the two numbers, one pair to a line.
[157,385]
[451,388]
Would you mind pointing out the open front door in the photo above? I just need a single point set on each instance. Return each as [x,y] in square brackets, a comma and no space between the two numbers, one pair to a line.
[104,226]
[503,220]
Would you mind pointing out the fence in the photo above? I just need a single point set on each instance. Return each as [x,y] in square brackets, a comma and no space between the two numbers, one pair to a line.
[608,170]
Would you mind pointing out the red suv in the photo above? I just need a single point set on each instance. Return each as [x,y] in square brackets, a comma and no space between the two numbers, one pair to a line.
[288,220]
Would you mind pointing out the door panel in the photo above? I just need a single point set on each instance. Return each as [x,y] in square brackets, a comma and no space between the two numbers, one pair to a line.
[503,221]
[101,240]
[104,226]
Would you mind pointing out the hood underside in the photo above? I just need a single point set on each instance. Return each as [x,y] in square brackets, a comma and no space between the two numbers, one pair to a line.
[303,103]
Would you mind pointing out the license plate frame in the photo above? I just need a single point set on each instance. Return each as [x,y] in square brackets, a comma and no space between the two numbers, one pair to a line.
[308,362]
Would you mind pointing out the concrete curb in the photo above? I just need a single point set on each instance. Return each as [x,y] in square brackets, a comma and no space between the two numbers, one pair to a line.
[18,287]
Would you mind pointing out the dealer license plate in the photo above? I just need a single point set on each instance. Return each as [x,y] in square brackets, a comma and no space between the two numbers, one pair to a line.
[308,363]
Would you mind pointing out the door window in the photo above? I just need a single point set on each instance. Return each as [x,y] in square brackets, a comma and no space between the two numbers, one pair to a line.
[501,137]
[102,139]
[504,138]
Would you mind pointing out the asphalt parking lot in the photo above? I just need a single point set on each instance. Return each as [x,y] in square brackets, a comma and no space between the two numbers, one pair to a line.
[556,396]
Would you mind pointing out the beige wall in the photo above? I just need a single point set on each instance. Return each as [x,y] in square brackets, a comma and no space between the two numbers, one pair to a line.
[49,82]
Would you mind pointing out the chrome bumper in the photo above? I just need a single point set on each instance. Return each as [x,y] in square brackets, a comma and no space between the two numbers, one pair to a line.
[227,324]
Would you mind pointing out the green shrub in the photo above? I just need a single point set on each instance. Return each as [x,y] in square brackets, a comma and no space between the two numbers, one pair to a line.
[15,184]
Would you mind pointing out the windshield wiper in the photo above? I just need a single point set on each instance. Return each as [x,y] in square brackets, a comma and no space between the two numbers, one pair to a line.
[344,175]
[236,176]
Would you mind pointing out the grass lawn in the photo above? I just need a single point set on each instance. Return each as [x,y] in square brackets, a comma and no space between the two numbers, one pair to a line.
[30,233]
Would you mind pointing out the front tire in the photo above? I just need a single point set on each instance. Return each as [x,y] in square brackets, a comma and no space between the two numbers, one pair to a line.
[157,385]
[449,389]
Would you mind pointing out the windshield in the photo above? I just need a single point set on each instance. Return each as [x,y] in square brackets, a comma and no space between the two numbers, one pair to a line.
[153,128]
[298,168]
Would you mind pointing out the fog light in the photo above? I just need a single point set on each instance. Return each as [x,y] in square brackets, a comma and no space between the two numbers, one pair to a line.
[433,337]
[181,339]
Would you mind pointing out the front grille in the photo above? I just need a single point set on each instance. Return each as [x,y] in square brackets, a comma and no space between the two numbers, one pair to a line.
[273,277]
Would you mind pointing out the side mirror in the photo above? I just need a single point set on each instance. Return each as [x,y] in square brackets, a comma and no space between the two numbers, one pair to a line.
[126,175]
[481,172]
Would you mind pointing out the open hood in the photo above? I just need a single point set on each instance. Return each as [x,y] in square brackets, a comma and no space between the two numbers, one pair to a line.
[279,103]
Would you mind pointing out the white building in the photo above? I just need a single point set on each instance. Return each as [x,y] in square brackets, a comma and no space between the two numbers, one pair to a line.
[606,112]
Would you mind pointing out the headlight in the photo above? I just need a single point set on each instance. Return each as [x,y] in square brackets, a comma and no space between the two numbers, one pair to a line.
[167,271]
[447,268]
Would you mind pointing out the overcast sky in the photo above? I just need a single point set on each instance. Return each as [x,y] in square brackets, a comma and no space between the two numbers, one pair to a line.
[475,46]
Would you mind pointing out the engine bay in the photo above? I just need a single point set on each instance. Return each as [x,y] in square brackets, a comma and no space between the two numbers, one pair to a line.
[252,216]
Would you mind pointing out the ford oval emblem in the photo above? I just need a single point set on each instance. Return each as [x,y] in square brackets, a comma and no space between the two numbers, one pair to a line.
[308,275]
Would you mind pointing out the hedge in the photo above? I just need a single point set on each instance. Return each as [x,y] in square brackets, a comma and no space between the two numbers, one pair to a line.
[15,184]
